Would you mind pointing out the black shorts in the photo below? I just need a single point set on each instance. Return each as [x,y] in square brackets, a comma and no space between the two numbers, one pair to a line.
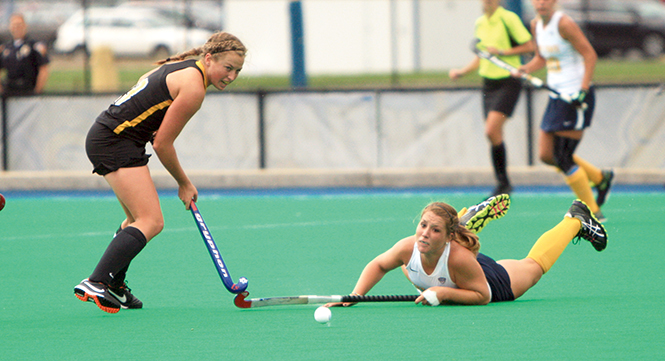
[109,152]
[501,95]
[498,279]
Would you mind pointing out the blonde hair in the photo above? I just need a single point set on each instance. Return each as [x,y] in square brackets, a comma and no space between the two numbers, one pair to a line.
[219,42]
[458,232]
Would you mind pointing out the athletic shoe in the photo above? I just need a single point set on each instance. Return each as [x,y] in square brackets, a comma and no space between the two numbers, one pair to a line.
[502,188]
[124,295]
[603,188]
[97,292]
[591,230]
[478,216]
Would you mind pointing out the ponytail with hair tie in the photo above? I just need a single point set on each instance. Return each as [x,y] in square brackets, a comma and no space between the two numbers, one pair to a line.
[218,43]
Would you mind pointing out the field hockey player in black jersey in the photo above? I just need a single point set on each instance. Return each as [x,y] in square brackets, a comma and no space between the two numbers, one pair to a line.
[155,110]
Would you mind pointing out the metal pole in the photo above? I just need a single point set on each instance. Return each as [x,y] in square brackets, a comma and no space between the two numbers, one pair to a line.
[529,124]
[585,11]
[394,79]
[262,130]
[222,15]
[86,57]
[5,136]
[416,35]
[514,6]
[379,129]
[298,74]
[10,11]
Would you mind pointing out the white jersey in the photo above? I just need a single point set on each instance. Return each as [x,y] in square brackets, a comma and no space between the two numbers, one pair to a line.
[439,277]
[565,66]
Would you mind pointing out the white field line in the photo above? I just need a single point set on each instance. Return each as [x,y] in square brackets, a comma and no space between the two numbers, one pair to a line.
[213,229]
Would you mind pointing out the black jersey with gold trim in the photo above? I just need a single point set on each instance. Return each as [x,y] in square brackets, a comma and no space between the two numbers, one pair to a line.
[138,113]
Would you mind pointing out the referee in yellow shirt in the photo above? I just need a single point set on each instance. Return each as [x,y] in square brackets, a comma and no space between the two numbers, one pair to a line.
[502,33]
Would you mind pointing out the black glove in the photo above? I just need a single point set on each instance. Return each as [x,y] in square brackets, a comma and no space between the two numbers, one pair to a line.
[578,98]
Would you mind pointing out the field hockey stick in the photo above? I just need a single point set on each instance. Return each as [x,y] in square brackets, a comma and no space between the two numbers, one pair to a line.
[216,255]
[536,82]
[241,302]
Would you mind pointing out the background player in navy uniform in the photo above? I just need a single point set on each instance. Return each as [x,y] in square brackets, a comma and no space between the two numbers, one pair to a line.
[502,33]
[570,60]
[156,109]
[25,61]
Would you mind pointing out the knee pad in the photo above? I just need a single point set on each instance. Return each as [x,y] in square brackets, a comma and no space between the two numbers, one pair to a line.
[564,148]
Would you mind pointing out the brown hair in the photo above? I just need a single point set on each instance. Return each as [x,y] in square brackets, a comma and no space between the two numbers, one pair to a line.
[458,232]
[218,43]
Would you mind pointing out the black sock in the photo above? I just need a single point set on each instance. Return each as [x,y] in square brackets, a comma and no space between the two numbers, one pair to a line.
[120,252]
[119,278]
[499,162]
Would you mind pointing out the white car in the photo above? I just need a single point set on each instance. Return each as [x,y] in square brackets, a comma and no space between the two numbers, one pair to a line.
[128,32]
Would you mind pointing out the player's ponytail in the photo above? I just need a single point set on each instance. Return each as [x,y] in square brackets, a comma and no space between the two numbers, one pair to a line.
[467,239]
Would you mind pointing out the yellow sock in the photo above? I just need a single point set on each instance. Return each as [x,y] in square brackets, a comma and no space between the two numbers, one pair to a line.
[551,244]
[579,183]
[595,175]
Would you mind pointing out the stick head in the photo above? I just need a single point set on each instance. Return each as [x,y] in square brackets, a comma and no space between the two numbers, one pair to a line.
[478,51]
[240,300]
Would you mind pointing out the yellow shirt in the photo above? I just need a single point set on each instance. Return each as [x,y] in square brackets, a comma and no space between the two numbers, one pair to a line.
[493,31]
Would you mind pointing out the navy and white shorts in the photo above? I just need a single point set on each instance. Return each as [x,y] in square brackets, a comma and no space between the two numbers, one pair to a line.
[109,152]
[498,279]
[560,115]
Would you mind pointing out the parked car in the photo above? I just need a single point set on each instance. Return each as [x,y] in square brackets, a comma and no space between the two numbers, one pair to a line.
[616,25]
[205,14]
[139,32]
